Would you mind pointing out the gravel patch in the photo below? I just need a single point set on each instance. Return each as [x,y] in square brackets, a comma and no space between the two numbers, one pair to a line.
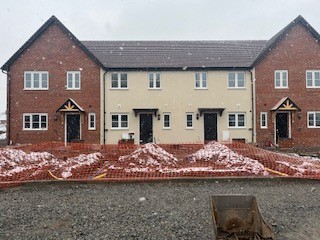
[153,210]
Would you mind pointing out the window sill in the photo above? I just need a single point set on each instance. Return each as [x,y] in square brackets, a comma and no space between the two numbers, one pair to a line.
[35,89]
[237,88]
[28,130]
[201,88]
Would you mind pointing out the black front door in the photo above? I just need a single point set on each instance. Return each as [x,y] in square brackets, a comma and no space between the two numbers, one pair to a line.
[146,132]
[210,127]
[73,127]
[282,126]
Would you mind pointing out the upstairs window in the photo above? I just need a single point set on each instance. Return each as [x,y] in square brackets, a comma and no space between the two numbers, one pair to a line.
[73,80]
[200,80]
[236,80]
[35,121]
[119,81]
[313,79]
[281,79]
[36,81]
[154,81]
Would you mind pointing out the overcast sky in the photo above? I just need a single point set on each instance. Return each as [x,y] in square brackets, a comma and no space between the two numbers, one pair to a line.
[150,20]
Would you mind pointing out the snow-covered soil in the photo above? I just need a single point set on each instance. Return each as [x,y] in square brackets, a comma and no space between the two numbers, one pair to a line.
[149,157]
[214,159]
[14,162]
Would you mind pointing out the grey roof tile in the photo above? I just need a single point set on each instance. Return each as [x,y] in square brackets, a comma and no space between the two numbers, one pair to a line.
[175,54]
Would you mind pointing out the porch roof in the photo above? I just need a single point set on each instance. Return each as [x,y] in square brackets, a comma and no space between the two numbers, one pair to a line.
[70,106]
[145,110]
[211,110]
[286,104]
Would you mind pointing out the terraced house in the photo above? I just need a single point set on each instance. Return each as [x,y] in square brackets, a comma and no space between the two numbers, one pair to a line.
[62,89]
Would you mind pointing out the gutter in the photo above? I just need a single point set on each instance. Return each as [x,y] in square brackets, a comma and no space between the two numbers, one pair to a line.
[8,107]
[252,107]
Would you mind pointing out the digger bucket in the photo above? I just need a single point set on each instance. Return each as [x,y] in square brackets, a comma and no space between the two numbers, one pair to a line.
[237,217]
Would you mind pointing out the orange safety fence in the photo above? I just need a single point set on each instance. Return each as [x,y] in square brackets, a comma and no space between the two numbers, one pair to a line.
[127,162]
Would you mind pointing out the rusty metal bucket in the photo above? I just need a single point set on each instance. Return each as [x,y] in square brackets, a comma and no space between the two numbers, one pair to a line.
[237,217]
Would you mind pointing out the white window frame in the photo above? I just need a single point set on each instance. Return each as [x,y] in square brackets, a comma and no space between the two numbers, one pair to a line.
[236,80]
[119,80]
[237,119]
[120,121]
[90,127]
[281,86]
[315,113]
[201,80]
[154,80]
[73,74]
[32,73]
[313,72]
[192,120]
[265,116]
[164,120]
[31,128]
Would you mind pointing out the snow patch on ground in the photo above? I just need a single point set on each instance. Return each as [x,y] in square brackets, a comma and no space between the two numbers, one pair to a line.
[13,161]
[147,158]
[77,162]
[224,157]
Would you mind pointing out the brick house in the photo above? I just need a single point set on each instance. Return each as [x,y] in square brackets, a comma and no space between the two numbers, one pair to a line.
[53,89]
[287,88]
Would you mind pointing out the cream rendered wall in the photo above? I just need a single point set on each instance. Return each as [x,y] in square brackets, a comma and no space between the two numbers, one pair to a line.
[177,96]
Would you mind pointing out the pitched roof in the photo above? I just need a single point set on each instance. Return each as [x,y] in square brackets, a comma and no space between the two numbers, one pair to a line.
[282,33]
[285,104]
[42,29]
[175,54]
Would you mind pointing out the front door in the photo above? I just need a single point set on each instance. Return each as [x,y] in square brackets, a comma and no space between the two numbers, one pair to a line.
[210,127]
[282,126]
[72,127]
[146,130]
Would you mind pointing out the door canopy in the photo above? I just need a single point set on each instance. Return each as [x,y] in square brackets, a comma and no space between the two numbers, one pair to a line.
[211,110]
[145,110]
[286,104]
[70,106]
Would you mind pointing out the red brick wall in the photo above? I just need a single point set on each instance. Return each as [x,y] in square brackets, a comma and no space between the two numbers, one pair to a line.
[56,53]
[297,52]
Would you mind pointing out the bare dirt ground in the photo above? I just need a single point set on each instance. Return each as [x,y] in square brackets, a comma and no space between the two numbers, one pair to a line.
[153,210]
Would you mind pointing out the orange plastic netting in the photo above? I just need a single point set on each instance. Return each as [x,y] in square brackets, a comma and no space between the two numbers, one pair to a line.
[126,162]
